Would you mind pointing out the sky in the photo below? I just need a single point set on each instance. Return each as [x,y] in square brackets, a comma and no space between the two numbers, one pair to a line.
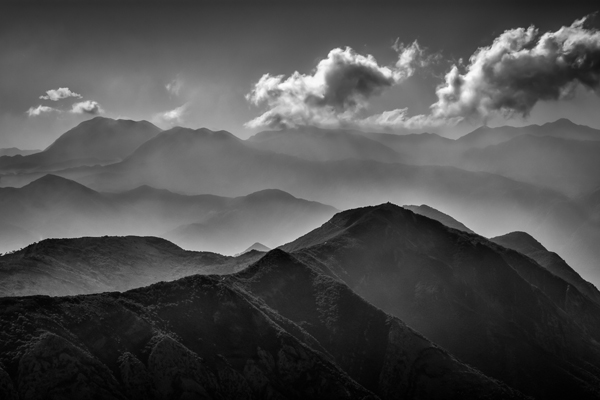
[254,65]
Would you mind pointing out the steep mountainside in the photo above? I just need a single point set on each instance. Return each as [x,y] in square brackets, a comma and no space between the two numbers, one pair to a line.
[220,338]
[60,267]
[492,307]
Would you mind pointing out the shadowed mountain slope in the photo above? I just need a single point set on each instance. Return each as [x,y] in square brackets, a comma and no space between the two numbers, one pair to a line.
[95,141]
[216,338]
[195,338]
[492,307]
[60,267]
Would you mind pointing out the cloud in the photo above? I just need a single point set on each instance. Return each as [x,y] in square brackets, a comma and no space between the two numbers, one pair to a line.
[175,86]
[87,107]
[519,69]
[172,117]
[58,94]
[337,90]
[39,110]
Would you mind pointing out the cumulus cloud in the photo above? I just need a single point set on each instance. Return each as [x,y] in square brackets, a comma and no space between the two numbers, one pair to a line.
[58,94]
[520,68]
[172,117]
[87,107]
[337,90]
[39,110]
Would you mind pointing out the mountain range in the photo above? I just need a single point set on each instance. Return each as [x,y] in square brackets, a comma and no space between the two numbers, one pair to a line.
[378,302]
[53,206]
[347,169]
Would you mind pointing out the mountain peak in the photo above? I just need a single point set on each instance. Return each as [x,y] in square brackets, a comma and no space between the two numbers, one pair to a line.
[53,185]
[520,241]
[269,194]
[53,180]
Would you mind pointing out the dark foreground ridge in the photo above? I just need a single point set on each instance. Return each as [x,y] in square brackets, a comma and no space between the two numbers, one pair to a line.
[278,330]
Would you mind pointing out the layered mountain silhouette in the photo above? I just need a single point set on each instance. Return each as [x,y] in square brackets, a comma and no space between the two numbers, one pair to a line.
[96,141]
[493,307]
[235,337]
[204,161]
[271,216]
[292,323]
[53,206]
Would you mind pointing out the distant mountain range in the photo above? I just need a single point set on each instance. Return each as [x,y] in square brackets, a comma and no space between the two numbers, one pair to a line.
[292,323]
[57,207]
[348,169]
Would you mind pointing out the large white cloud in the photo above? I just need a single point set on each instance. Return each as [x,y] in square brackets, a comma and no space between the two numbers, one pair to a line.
[520,68]
[87,107]
[336,91]
[58,94]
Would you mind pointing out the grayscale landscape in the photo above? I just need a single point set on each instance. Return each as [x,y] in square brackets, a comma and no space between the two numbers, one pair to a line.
[299,200]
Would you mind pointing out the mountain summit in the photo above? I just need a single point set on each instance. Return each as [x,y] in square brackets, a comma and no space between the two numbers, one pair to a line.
[523,323]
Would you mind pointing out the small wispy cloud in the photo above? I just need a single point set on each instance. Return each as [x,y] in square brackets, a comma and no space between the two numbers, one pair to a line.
[174,87]
[39,110]
[60,93]
[87,107]
[171,117]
